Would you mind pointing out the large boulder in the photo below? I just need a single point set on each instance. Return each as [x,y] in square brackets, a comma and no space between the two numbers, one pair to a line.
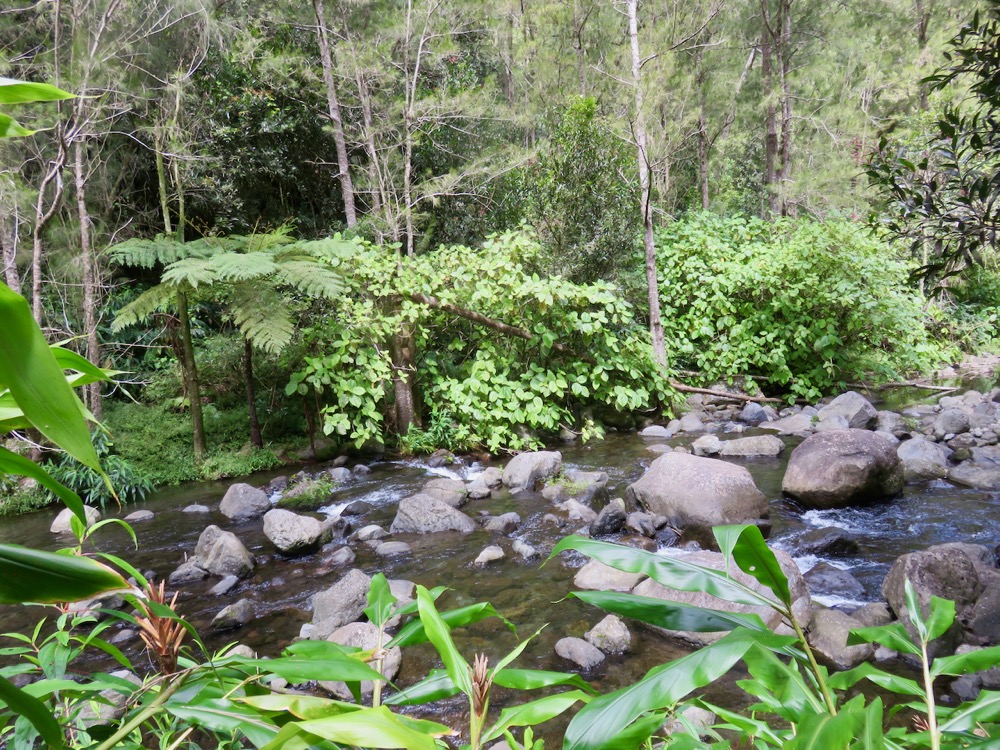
[838,468]
[526,470]
[343,602]
[611,519]
[853,407]
[61,523]
[945,571]
[977,475]
[700,492]
[451,491]
[221,553]
[243,502]
[826,580]
[829,541]
[757,446]
[292,533]
[828,635]
[423,514]
[923,460]
[596,576]
[950,422]
[801,603]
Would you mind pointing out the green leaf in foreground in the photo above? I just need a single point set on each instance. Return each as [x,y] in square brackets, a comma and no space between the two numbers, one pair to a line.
[376,728]
[29,575]
[34,711]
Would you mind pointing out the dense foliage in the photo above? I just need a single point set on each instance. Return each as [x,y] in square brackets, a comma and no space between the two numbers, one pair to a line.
[803,305]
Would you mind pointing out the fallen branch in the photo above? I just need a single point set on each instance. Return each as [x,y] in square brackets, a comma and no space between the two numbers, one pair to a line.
[905,384]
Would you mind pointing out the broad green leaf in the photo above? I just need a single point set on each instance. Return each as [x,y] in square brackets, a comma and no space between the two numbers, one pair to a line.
[316,660]
[13,91]
[36,380]
[870,735]
[671,572]
[867,671]
[380,600]
[436,686]
[299,706]
[746,724]
[913,611]
[986,708]
[70,360]
[779,684]
[942,615]
[439,635]
[669,615]
[823,731]
[413,632]
[892,636]
[604,721]
[11,128]
[29,575]
[12,463]
[34,711]
[534,712]
[222,715]
[756,559]
[533,679]
[374,728]
[973,661]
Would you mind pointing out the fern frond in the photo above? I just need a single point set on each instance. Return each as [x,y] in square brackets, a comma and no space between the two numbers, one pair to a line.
[262,315]
[331,248]
[191,272]
[147,303]
[313,278]
[146,253]
[242,266]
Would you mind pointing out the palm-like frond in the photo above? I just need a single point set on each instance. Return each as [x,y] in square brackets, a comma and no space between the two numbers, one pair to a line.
[146,253]
[262,315]
[242,266]
[191,272]
[312,278]
[147,303]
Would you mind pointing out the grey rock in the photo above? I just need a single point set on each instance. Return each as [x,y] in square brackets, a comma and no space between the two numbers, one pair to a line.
[853,407]
[526,470]
[342,603]
[339,556]
[988,455]
[967,687]
[392,549]
[923,460]
[422,514]
[188,572]
[696,491]
[610,520]
[836,422]
[839,468]
[356,508]
[61,523]
[370,532]
[951,422]
[641,523]
[610,635]
[361,470]
[596,576]
[657,431]
[691,720]
[504,524]
[451,491]
[579,652]
[491,477]
[195,509]
[224,586]
[111,707]
[826,542]
[979,476]
[873,614]
[243,502]
[441,457]
[138,516]
[523,549]
[234,616]
[477,490]
[340,474]
[985,619]
[691,422]
[578,511]
[825,579]
[753,413]
[707,445]
[221,553]
[488,555]
[365,636]
[796,424]
[756,446]
[293,533]
[890,421]
[828,636]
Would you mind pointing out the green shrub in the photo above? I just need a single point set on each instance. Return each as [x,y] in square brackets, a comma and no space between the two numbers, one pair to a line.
[802,304]
[219,465]
[130,484]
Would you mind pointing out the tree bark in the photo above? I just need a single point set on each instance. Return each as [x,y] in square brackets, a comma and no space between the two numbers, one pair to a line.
[91,290]
[333,106]
[42,217]
[403,368]
[189,368]
[770,125]
[645,203]
[785,147]
[8,245]
[255,436]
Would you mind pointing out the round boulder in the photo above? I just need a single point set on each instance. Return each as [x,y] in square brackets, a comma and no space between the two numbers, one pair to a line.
[243,502]
[842,467]
[221,553]
[853,407]
[923,460]
[423,514]
[292,533]
[696,491]
[61,524]
[525,470]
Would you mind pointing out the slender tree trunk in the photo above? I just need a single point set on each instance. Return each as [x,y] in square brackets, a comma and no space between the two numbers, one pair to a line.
[403,369]
[42,217]
[8,246]
[923,9]
[408,186]
[703,144]
[255,437]
[378,198]
[652,287]
[785,148]
[333,106]
[581,62]
[770,127]
[91,291]
[161,179]
[189,368]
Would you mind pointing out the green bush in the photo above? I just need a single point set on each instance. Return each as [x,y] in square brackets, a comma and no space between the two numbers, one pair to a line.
[804,305]
[130,484]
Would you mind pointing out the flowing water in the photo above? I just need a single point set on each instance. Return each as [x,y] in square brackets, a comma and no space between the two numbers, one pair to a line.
[527,593]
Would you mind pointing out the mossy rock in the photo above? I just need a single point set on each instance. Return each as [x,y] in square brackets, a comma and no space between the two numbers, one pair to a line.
[307,495]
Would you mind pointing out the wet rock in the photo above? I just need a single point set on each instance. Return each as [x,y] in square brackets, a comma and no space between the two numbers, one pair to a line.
[583,486]
[477,490]
[610,520]
[943,571]
[836,422]
[826,542]
[292,533]
[579,652]
[234,616]
[356,508]
[339,556]
[578,511]
[342,603]
[985,619]
[526,470]
[873,614]
[801,603]
[950,422]
[659,448]
[610,635]
[979,476]
[524,550]
[339,474]
[365,636]
[796,424]
[753,413]
[551,519]
[243,502]
[422,514]
[441,458]
[828,635]
[491,477]
[890,421]
[61,523]
[93,607]
[451,491]
[224,586]
[756,446]
[195,509]
[923,460]
[361,470]
[967,687]
[691,422]
[370,532]
[392,549]
[657,431]
[839,468]
[278,484]
[639,542]
[827,580]
[641,523]
[853,407]
[701,492]
[706,445]
[111,707]
[339,461]
[221,553]
[488,555]
[504,524]
[139,516]
[188,572]
[596,576]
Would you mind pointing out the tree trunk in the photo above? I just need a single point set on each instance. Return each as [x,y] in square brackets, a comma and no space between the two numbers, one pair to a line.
[770,126]
[403,369]
[42,217]
[91,290]
[785,148]
[652,287]
[378,200]
[333,106]
[255,437]
[8,246]
[189,367]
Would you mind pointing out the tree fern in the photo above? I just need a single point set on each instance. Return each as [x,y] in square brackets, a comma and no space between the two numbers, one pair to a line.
[191,273]
[243,266]
[262,315]
[159,251]
[153,300]
[312,278]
